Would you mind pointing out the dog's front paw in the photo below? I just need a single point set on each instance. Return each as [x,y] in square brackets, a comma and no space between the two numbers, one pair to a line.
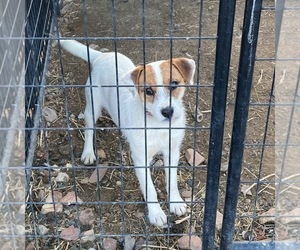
[157,217]
[88,157]
[178,208]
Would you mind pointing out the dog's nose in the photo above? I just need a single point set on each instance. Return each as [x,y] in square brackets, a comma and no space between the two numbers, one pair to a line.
[167,112]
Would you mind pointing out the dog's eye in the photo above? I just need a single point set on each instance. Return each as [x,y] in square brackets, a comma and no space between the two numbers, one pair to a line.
[149,91]
[173,85]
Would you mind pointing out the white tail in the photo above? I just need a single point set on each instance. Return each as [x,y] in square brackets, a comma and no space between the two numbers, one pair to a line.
[80,50]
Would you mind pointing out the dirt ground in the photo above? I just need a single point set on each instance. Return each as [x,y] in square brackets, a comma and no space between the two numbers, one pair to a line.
[62,147]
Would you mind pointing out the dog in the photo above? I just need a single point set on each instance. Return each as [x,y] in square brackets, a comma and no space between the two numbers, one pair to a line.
[145,101]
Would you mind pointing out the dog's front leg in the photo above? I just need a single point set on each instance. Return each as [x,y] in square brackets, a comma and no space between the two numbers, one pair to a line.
[91,115]
[156,215]
[177,205]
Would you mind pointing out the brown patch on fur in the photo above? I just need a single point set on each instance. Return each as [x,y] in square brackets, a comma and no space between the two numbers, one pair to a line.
[185,68]
[176,76]
[142,82]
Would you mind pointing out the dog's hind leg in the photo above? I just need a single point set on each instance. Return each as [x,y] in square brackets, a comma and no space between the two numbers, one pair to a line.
[91,114]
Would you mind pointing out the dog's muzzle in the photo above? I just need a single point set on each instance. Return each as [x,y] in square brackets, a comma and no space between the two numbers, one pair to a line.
[167,112]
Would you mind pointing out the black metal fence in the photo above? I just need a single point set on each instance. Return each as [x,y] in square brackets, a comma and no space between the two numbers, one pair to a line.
[242,115]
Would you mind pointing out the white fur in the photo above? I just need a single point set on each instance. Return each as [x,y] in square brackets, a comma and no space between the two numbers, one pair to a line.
[132,115]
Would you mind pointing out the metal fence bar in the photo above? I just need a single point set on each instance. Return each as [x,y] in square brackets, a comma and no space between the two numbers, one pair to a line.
[223,53]
[244,83]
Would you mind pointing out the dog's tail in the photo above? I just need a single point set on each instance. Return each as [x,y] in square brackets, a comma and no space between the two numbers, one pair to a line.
[80,50]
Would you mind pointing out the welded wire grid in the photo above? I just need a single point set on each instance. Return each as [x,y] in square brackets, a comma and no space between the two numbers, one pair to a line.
[114,206]
[280,222]
[12,228]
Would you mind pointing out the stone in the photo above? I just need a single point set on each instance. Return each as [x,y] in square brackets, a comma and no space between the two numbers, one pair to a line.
[7,246]
[49,208]
[190,242]
[88,236]
[49,114]
[87,216]
[186,194]
[224,168]
[62,177]
[268,216]
[245,189]
[292,216]
[30,246]
[219,220]
[101,172]
[54,196]
[158,163]
[70,233]
[189,155]
[110,244]
[101,154]
[42,230]
[129,242]
[70,198]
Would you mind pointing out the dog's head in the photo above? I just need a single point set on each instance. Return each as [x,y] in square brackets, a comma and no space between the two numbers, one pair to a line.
[161,86]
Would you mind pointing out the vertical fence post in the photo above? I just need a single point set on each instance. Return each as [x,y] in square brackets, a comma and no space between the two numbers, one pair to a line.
[245,75]
[223,53]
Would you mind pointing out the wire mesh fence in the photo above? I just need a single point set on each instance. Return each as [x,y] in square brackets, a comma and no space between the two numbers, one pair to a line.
[236,167]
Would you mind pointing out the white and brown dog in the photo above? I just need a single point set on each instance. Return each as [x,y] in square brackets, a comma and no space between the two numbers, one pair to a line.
[146,103]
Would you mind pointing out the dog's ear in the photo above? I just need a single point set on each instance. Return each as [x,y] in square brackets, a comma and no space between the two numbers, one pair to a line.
[186,68]
[136,73]
[133,76]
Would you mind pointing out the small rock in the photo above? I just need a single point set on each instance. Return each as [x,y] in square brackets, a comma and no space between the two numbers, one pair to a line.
[30,246]
[42,230]
[140,215]
[81,116]
[268,216]
[70,198]
[70,233]
[224,168]
[219,220]
[190,182]
[49,208]
[19,229]
[119,183]
[109,244]
[88,236]
[129,242]
[87,216]
[104,50]
[41,194]
[189,155]
[68,165]
[245,190]
[101,172]
[62,177]
[190,242]
[186,194]
[101,154]
[7,246]
[54,197]
[22,209]
[68,8]
[292,216]
[84,180]
[49,114]
[158,163]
